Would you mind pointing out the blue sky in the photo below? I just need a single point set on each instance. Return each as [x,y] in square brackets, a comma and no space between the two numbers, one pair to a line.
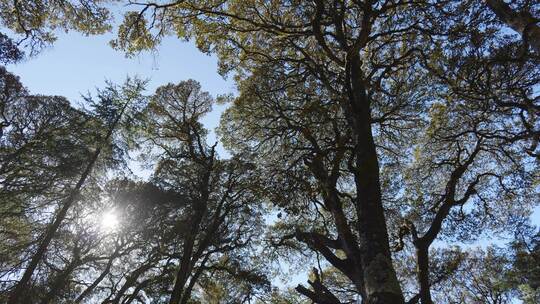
[77,64]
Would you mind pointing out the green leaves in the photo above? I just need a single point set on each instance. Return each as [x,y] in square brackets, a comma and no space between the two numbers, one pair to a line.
[36,21]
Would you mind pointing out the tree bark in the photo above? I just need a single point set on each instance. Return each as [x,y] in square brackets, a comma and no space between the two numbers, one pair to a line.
[183,272]
[422,255]
[522,22]
[186,263]
[380,279]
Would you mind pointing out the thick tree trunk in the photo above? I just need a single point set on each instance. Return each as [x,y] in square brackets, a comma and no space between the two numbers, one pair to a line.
[380,280]
[522,22]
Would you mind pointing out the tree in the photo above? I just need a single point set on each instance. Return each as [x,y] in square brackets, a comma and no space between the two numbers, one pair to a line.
[193,224]
[373,129]
[522,21]
[525,273]
[113,108]
[480,279]
[36,22]
[332,91]
[197,218]
[43,144]
[221,210]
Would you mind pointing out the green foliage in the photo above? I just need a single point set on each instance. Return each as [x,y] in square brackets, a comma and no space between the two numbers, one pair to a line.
[44,142]
[37,21]
[525,272]
[118,111]
[135,30]
[452,110]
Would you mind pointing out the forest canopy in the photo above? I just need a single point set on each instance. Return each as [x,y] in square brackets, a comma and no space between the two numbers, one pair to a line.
[385,151]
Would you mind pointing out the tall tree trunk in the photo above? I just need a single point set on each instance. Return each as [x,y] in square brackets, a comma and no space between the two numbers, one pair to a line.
[187,292]
[422,255]
[16,296]
[380,279]
[522,22]
[183,272]
[186,263]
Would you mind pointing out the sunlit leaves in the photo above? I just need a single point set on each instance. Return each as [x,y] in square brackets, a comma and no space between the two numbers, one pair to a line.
[35,22]
[133,35]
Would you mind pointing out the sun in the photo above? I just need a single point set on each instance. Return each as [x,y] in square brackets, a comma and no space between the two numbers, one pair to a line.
[109,221]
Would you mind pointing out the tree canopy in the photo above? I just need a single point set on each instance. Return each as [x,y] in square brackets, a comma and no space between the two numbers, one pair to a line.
[374,145]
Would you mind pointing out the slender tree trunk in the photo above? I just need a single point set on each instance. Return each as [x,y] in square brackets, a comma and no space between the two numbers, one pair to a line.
[135,293]
[17,294]
[380,279]
[186,264]
[522,22]
[96,282]
[422,255]
[348,240]
[131,281]
[194,278]
[183,273]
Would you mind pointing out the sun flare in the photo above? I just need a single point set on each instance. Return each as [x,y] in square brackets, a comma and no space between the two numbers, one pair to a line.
[109,221]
